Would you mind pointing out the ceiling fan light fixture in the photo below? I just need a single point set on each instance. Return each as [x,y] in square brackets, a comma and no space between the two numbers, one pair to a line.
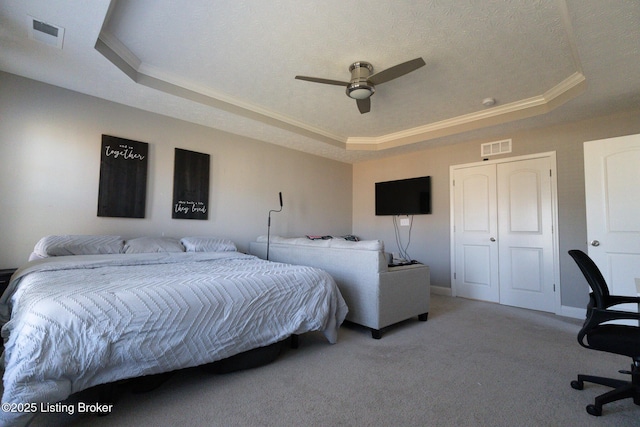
[362,83]
[360,90]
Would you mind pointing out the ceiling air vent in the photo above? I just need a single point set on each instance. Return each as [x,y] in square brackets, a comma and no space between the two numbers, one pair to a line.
[44,32]
[497,147]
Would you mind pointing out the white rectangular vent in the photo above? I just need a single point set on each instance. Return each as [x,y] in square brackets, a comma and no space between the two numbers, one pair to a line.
[497,147]
[44,32]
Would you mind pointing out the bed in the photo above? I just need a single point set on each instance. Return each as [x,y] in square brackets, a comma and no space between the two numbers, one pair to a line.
[89,310]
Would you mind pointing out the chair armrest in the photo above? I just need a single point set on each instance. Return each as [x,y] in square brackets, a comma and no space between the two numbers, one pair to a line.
[622,299]
[598,316]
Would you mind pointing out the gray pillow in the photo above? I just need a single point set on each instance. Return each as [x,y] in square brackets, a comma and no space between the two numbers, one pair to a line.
[78,245]
[207,244]
[141,245]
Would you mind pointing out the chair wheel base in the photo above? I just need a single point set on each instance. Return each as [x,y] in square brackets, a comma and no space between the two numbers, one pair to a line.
[578,385]
[594,410]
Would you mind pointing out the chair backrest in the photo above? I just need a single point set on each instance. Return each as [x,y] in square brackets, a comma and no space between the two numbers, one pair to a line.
[591,272]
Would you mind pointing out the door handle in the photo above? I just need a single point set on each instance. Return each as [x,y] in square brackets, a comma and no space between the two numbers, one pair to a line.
[492,239]
[595,243]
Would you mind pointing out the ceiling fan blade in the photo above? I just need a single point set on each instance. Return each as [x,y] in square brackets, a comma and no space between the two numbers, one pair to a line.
[396,71]
[325,81]
[364,105]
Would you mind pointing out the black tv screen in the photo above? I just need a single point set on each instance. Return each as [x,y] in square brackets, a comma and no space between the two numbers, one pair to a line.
[404,197]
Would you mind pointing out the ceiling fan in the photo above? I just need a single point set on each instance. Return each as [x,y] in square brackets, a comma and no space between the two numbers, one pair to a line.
[363,83]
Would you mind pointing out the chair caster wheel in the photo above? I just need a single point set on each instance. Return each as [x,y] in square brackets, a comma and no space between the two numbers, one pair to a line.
[578,385]
[593,410]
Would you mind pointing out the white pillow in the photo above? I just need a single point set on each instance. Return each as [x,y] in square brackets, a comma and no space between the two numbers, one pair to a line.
[64,245]
[207,244]
[142,245]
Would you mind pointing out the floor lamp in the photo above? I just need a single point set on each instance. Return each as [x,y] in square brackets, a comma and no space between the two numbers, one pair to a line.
[269,223]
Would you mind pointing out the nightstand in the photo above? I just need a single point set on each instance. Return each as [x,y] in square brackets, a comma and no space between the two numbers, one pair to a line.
[5,276]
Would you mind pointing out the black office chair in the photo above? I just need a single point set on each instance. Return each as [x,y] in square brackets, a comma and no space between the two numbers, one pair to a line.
[612,338]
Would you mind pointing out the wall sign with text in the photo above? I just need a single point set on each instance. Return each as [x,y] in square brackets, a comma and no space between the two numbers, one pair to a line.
[190,185]
[123,178]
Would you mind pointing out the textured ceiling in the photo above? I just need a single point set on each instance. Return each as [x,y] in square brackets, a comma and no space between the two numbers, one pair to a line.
[231,64]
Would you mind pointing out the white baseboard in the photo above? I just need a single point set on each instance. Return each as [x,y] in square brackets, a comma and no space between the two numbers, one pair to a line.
[575,312]
[441,290]
[565,310]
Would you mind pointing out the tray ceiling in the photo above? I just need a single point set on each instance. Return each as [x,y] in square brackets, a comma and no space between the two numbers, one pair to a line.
[231,65]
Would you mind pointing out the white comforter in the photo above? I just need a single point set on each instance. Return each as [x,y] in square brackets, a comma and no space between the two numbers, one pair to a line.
[77,321]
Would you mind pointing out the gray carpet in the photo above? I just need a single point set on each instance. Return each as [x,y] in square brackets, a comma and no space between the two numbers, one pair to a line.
[471,364]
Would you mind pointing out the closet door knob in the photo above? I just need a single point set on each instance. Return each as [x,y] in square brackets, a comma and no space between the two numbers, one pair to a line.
[492,239]
[595,243]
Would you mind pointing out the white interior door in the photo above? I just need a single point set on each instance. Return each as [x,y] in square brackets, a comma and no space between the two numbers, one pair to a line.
[612,186]
[525,229]
[475,231]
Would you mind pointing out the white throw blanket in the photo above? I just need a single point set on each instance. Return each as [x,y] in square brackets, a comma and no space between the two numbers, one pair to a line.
[80,321]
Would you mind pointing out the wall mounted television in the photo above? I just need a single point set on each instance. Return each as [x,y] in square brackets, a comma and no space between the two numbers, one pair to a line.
[410,196]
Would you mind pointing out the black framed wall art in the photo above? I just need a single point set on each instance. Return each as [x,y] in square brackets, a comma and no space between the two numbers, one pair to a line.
[123,178]
[190,185]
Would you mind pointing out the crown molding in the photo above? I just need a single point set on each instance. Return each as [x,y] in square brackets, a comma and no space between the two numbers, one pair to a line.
[566,90]
[119,55]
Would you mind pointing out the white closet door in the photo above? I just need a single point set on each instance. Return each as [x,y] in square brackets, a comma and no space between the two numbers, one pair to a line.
[476,250]
[503,242]
[525,229]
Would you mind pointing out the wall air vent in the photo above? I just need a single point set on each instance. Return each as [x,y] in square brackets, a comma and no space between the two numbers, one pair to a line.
[493,148]
[44,32]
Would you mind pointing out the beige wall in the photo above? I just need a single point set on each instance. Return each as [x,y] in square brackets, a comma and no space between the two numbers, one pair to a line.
[50,158]
[50,142]
[430,235]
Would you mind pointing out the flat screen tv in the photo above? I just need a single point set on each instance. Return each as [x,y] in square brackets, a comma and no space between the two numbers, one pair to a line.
[404,197]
